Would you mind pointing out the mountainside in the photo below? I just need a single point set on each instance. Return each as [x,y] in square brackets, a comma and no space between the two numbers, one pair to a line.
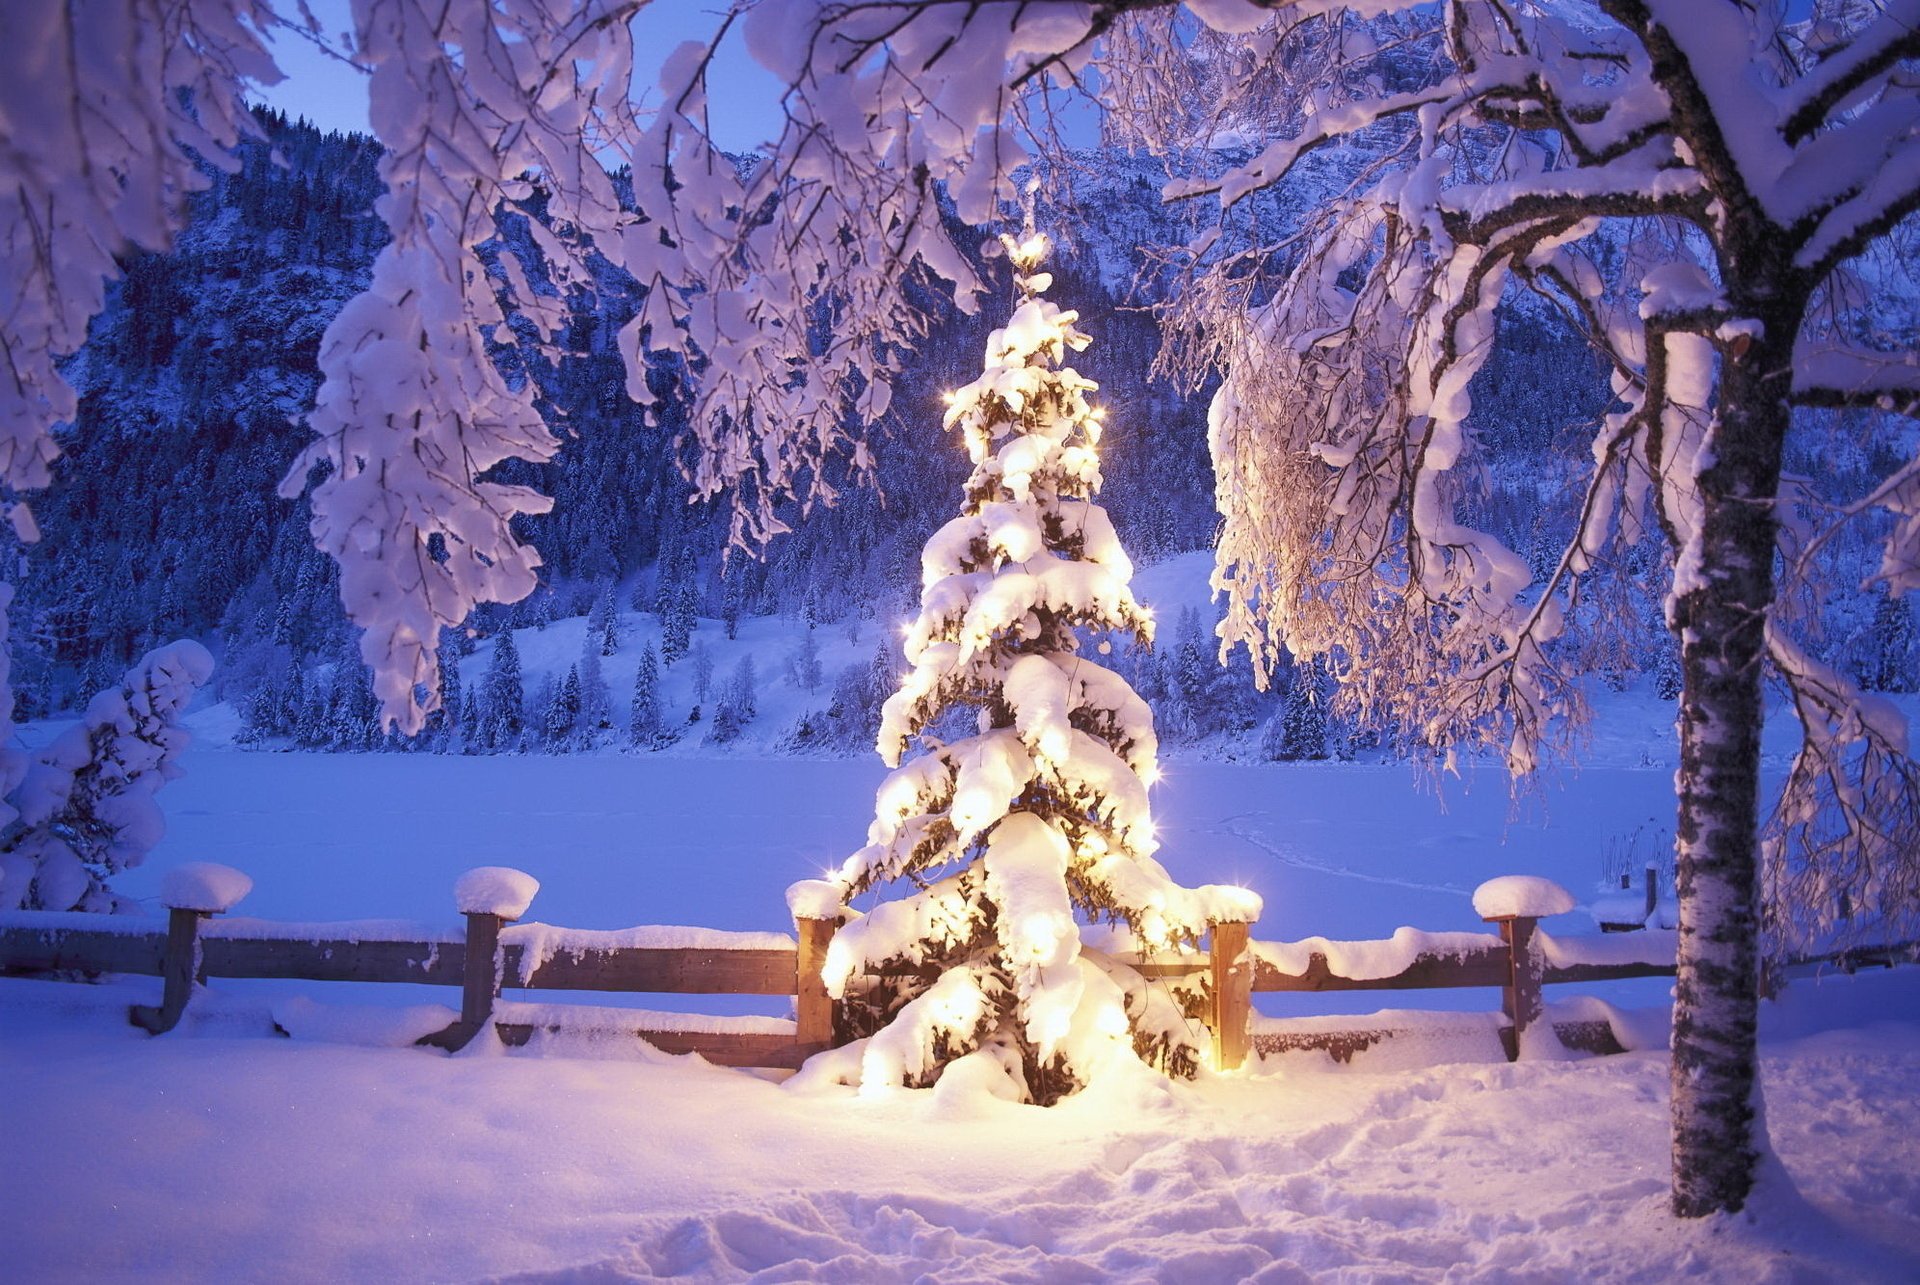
[163,519]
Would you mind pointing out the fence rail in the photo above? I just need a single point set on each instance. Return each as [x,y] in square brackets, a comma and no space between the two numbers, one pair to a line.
[490,956]
[193,947]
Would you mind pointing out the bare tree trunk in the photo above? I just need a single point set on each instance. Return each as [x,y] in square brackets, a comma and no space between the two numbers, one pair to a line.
[1722,622]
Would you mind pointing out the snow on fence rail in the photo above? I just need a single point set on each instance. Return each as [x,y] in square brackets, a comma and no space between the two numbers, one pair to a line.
[1518,958]
[495,952]
[490,954]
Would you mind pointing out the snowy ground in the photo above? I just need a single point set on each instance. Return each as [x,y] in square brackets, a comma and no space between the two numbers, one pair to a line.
[222,1152]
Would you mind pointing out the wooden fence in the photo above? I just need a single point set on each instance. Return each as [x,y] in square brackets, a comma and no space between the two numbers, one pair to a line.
[1519,960]
[195,947]
[1516,961]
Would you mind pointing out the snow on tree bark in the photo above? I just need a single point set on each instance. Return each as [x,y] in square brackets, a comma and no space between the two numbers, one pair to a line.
[1041,817]
[1703,186]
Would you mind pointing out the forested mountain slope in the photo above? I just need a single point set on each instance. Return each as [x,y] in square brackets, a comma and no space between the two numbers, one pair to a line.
[164,521]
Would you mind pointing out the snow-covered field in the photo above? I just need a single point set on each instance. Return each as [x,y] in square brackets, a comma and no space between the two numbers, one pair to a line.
[223,1152]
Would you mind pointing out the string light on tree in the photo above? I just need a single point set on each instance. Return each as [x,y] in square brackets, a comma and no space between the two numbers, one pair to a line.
[1003,843]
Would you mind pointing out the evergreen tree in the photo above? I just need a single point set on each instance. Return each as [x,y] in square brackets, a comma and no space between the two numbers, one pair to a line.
[806,666]
[732,594]
[686,602]
[502,698]
[563,712]
[676,622]
[471,736]
[702,673]
[441,723]
[644,727]
[1667,678]
[603,625]
[356,714]
[316,712]
[258,718]
[1303,722]
[1892,665]
[596,702]
[727,722]
[996,841]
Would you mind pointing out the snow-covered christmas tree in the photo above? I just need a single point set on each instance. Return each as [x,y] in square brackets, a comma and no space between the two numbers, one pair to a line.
[1005,841]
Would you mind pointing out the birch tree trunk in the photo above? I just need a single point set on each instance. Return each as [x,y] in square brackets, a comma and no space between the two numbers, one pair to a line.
[1721,620]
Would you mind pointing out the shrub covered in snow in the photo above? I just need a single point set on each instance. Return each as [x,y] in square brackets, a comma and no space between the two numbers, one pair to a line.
[1006,839]
[86,805]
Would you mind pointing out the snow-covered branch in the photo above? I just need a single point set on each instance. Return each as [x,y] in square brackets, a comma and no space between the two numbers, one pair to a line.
[413,413]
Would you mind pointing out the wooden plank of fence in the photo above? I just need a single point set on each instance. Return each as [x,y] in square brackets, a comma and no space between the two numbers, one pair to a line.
[664,970]
[1484,967]
[1587,1036]
[432,962]
[38,950]
[1555,973]
[722,1048]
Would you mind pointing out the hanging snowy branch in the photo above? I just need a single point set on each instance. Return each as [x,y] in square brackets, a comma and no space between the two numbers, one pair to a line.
[473,103]
[110,107]
[1701,188]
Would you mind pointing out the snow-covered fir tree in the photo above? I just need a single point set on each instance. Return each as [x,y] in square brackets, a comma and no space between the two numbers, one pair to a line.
[85,806]
[644,728]
[702,671]
[502,698]
[603,625]
[1001,843]
[805,666]
[562,723]
[596,702]
[1303,728]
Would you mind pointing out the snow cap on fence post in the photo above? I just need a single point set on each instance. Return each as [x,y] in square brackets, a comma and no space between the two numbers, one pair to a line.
[1521,897]
[205,886]
[495,890]
[817,899]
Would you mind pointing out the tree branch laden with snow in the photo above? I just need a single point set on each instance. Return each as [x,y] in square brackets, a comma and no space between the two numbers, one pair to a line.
[86,808]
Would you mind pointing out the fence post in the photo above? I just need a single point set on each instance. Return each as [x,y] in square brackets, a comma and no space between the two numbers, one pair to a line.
[1521,999]
[812,1006]
[488,896]
[177,972]
[1232,970]
[191,893]
[1653,892]
[480,983]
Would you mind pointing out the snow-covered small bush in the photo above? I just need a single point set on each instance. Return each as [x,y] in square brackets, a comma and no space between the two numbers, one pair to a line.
[1001,843]
[86,805]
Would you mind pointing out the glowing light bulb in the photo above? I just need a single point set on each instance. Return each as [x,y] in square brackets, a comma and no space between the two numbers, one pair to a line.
[1041,935]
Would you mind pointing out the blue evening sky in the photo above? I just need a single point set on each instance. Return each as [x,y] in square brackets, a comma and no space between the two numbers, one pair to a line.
[743,105]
